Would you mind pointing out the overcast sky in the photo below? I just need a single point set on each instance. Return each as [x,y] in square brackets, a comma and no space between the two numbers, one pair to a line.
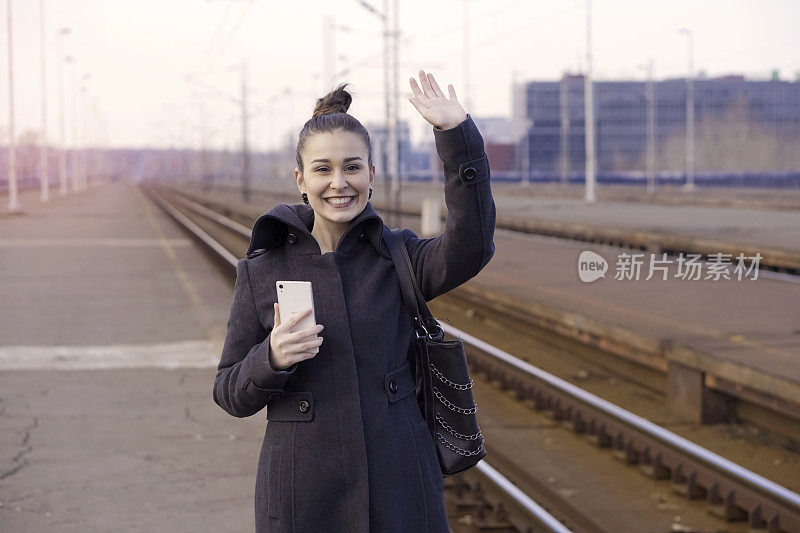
[138,53]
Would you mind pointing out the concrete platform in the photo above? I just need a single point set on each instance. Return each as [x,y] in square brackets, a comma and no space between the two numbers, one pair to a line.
[112,325]
[779,228]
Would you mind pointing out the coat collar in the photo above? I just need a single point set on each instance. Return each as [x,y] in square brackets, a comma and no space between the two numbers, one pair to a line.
[273,227]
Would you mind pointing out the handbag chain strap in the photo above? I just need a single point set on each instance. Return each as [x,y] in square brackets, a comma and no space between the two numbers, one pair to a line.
[455,433]
[458,450]
[453,407]
[446,381]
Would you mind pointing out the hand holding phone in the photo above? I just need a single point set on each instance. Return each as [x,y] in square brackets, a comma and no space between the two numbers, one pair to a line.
[289,344]
[294,335]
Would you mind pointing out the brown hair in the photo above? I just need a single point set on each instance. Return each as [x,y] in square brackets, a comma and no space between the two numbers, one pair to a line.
[330,114]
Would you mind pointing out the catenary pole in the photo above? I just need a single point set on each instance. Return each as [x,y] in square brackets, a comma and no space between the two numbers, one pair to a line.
[13,202]
[689,185]
[43,176]
[387,110]
[563,145]
[466,56]
[651,130]
[329,53]
[62,149]
[589,195]
[84,127]
[391,74]
[73,167]
[245,151]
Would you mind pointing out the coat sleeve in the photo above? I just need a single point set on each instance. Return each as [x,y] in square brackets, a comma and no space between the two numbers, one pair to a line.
[245,380]
[466,245]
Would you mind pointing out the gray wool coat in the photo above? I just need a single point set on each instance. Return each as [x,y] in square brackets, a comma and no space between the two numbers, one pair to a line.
[342,452]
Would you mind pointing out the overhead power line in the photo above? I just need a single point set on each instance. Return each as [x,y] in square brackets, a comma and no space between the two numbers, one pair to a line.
[236,25]
[220,38]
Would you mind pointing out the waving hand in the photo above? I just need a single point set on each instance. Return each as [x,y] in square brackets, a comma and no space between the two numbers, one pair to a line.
[433,105]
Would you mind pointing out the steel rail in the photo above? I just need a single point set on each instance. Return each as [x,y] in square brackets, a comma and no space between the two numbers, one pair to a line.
[737,489]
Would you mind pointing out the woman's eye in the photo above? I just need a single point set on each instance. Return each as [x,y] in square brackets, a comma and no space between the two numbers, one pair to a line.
[323,169]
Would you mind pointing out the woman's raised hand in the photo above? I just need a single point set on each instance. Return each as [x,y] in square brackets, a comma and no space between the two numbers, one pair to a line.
[288,346]
[433,105]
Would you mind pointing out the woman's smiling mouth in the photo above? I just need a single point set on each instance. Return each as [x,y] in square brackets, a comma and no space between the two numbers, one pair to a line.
[340,201]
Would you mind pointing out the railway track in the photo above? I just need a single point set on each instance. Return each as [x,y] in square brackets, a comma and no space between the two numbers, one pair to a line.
[482,499]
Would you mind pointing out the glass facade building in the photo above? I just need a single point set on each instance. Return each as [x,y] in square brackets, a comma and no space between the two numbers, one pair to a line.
[732,105]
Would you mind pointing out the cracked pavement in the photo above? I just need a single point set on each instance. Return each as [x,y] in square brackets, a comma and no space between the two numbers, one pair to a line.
[111,329]
[109,450]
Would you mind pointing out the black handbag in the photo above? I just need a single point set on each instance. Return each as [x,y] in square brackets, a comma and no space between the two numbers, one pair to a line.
[443,385]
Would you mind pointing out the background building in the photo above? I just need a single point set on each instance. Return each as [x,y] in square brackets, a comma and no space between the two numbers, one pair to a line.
[741,125]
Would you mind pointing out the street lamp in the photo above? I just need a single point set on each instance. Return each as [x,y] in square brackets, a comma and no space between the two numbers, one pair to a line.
[13,204]
[465,56]
[62,152]
[94,137]
[650,122]
[85,137]
[589,196]
[521,125]
[689,186]
[73,166]
[391,63]
[43,177]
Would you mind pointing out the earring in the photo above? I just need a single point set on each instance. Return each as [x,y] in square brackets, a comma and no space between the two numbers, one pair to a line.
[370,193]
[305,198]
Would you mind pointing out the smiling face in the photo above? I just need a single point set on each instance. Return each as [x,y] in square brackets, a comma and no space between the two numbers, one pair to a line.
[336,176]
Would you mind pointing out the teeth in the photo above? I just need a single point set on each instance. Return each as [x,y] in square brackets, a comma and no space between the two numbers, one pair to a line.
[339,200]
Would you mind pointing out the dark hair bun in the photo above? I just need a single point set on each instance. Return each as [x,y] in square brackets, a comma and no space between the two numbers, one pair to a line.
[336,101]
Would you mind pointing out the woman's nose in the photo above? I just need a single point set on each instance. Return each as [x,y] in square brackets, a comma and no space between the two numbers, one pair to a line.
[337,180]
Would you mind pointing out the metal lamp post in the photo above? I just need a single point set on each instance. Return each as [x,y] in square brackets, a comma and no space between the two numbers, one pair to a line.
[689,186]
[62,152]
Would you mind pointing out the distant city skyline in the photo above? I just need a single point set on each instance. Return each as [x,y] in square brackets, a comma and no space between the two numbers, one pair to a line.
[138,54]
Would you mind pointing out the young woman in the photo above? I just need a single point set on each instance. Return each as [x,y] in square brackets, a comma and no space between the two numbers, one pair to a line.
[346,448]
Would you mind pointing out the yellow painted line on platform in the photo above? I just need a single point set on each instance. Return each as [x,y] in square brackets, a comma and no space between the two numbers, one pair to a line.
[214,330]
[93,243]
[185,354]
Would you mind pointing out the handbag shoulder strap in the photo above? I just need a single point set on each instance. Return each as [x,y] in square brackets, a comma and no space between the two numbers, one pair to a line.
[412,296]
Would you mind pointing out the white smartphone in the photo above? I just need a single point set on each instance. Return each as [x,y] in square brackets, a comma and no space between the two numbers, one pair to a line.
[293,297]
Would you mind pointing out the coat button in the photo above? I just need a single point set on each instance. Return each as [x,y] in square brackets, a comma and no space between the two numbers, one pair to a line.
[303,406]
[469,173]
[393,386]
[361,236]
[291,238]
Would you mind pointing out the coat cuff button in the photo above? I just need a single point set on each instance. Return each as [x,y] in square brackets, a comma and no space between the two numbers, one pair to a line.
[303,406]
[393,386]
[469,173]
